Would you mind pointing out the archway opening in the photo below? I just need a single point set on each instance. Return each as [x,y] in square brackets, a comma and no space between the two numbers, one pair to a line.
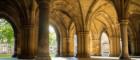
[75,44]
[105,50]
[131,38]
[6,39]
[52,41]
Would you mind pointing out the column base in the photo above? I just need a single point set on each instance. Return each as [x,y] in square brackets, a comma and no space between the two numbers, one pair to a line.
[14,55]
[43,58]
[124,58]
[82,56]
[25,57]
[70,55]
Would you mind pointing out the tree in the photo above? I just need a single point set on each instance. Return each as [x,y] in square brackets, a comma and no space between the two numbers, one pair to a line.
[6,32]
[52,43]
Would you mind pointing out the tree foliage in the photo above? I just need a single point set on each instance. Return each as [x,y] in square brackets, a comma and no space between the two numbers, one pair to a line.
[52,39]
[52,43]
[6,32]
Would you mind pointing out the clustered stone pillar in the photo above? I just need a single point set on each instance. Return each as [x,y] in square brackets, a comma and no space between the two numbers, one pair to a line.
[26,50]
[115,46]
[124,38]
[64,49]
[95,47]
[70,42]
[83,44]
[17,43]
[118,46]
[43,41]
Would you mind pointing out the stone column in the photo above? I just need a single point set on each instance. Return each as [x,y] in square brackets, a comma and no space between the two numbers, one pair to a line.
[83,44]
[15,46]
[64,49]
[124,38]
[118,50]
[43,39]
[115,46]
[70,41]
[26,50]
[66,46]
[95,47]
[17,43]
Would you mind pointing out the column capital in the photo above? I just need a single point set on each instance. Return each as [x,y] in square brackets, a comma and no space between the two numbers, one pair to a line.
[29,26]
[124,21]
[83,32]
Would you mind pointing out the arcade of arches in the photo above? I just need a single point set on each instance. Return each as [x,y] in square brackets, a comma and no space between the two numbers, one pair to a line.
[83,28]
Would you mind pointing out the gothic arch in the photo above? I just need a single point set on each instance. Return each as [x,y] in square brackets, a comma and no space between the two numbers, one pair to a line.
[106,19]
[131,40]
[61,35]
[57,6]
[133,32]
[109,41]
[58,31]
[72,32]
[16,30]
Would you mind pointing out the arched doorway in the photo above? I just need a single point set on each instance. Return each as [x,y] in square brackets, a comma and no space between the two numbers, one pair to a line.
[75,44]
[131,39]
[105,49]
[6,39]
[53,45]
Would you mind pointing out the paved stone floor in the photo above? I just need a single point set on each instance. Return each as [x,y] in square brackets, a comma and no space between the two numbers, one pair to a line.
[73,58]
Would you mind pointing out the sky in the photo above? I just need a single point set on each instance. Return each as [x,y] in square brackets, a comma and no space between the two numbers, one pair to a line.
[51,29]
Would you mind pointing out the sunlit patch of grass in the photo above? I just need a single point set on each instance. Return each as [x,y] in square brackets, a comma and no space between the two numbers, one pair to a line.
[5,55]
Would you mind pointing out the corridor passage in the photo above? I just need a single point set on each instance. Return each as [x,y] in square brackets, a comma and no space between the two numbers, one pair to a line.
[70,29]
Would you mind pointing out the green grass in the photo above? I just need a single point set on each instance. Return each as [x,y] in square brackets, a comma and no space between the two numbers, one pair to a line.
[5,55]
